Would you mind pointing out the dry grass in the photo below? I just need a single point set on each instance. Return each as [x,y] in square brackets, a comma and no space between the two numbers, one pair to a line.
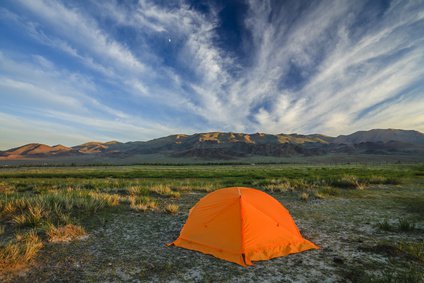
[172,208]
[329,191]
[32,216]
[152,205]
[66,233]
[165,190]
[142,203]
[360,186]
[20,251]
[110,199]
[161,189]
[351,181]
[319,195]
[140,207]
[279,186]
[137,191]
[304,196]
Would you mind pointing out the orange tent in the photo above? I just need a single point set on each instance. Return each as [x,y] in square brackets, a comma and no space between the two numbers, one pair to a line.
[241,225]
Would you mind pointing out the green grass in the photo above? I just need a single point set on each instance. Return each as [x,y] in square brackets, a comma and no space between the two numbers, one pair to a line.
[413,249]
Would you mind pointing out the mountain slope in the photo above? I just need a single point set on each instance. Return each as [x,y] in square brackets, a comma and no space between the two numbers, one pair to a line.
[94,147]
[218,145]
[35,150]
[382,135]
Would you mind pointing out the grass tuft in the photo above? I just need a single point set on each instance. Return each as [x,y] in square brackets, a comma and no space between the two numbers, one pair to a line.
[319,195]
[413,249]
[329,191]
[405,225]
[165,190]
[304,196]
[172,208]
[385,225]
[66,233]
[142,203]
[138,191]
[20,251]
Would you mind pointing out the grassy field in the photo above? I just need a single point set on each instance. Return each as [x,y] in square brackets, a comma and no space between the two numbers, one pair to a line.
[112,223]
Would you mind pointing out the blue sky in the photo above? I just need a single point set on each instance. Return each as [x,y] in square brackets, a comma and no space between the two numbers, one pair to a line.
[75,71]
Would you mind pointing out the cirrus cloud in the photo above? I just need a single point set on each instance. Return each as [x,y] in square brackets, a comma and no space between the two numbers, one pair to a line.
[323,67]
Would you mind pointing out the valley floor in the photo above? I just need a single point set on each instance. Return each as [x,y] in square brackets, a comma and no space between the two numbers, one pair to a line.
[370,228]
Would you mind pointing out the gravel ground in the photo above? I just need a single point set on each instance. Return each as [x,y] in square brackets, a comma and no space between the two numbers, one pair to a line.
[130,246]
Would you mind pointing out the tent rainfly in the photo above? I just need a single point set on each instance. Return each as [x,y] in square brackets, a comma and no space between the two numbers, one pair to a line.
[241,225]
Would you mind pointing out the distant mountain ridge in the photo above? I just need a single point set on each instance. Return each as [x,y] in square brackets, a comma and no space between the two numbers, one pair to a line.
[223,145]
[381,135]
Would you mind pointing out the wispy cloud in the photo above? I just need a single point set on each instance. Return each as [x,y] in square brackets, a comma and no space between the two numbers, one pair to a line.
[144,69]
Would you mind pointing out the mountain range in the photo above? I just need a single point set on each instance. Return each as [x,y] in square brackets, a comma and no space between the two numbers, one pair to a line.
[225,146]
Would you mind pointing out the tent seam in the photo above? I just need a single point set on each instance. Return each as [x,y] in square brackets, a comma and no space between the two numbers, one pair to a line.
[269,216]
[243,248]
